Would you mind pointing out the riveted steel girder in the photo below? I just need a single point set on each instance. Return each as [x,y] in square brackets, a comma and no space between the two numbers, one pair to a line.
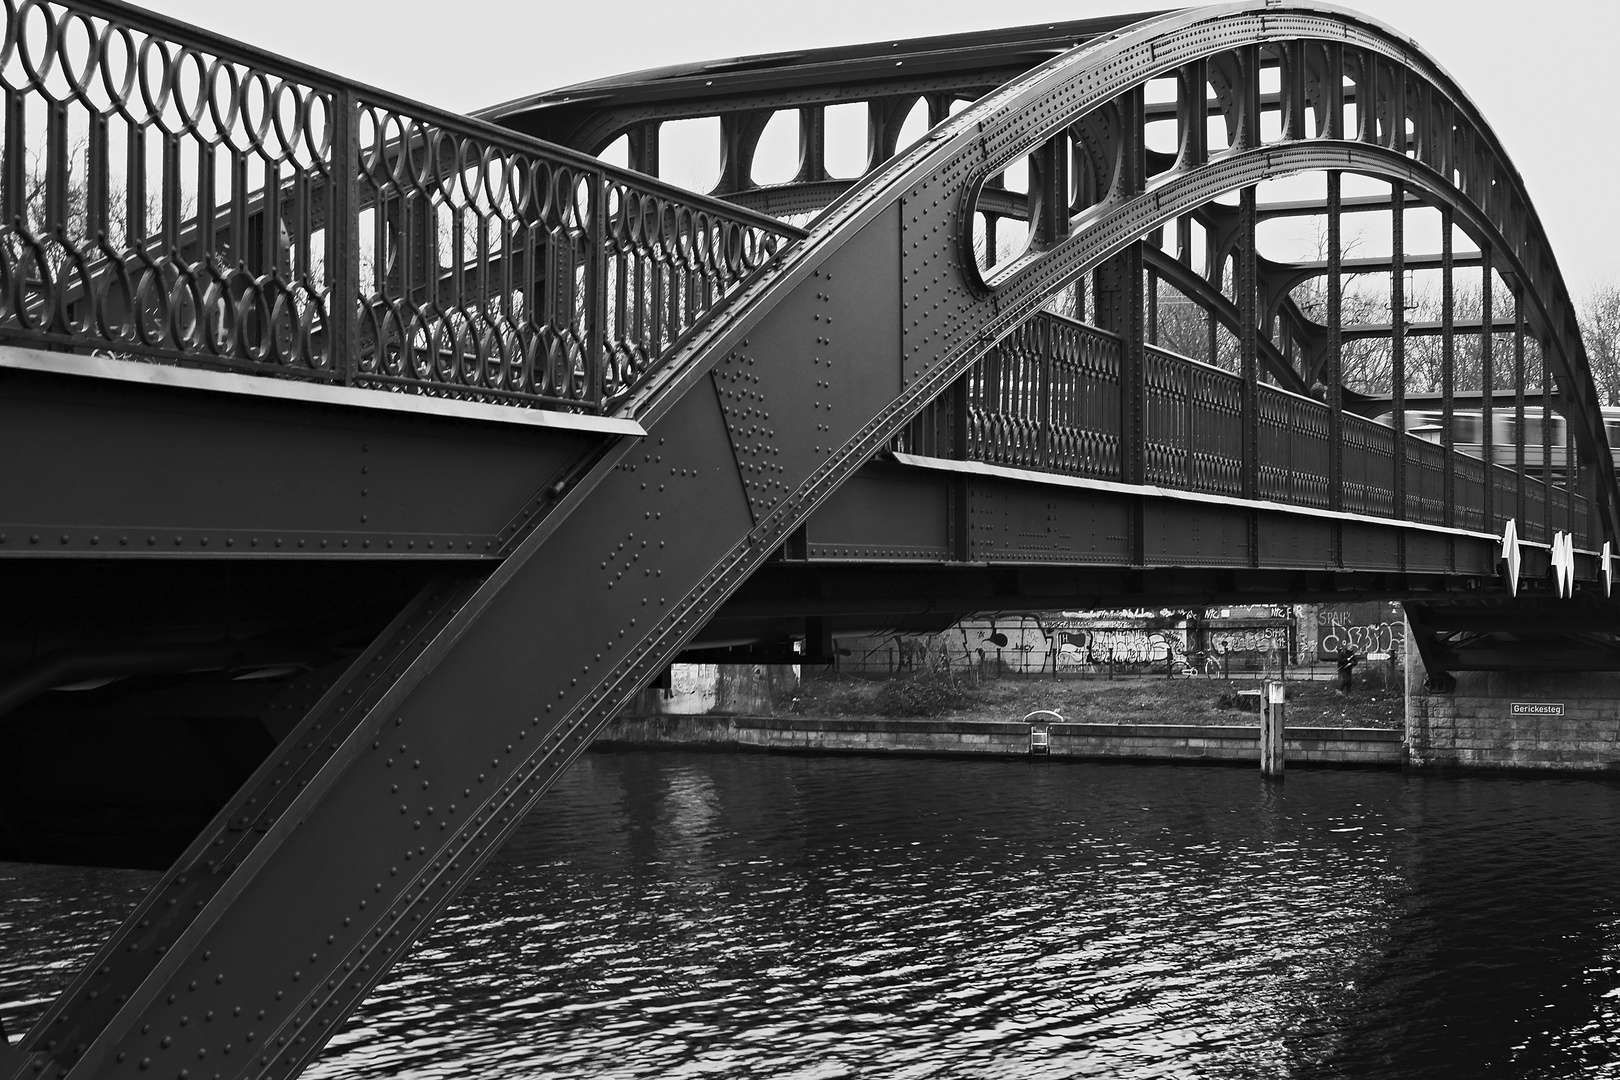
[133,460]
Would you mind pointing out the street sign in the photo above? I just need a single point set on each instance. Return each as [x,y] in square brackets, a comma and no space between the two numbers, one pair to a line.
[1538,708]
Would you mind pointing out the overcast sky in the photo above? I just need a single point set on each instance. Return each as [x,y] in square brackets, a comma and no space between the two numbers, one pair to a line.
[1539,72]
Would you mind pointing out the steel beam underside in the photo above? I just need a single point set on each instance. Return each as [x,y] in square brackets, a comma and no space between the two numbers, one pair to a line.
[890,512]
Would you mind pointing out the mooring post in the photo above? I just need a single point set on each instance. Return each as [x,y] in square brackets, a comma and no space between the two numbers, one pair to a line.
[1271,731]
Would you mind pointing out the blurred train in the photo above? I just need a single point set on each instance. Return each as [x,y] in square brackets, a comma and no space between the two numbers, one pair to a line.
[1467,432]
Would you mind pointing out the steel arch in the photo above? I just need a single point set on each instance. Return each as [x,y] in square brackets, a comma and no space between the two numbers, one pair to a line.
[461,680]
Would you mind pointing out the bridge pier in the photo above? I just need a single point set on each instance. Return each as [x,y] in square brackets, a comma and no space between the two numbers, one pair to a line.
[1514,720]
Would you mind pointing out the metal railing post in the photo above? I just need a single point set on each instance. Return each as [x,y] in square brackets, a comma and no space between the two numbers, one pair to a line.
[1335,367]
[1518,404]
[1246,281]
[1487,376]
[596,292]
[1397,343]
[1448,372]
[343,238]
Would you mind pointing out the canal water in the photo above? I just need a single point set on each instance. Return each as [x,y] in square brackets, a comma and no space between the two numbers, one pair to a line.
[674,914]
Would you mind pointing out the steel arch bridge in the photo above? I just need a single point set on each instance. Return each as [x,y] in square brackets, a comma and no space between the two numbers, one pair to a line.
[366,458]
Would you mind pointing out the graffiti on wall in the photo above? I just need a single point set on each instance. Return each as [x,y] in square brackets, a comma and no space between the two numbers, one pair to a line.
[1248,639]
[1120,646]
[1368,629]
[1212,641]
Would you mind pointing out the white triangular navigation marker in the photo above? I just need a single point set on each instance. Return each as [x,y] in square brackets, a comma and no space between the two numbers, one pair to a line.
[1552,564]
[1608,568]
[1555,563]
[1510,555]
[1563,563]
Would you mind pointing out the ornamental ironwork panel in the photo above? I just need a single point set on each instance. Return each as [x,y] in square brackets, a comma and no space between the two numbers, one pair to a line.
[1047,397]
[1293,448]
[1470,492]
[172,196]
[1168,405]
[1084,413]
[1217,458]
[1369,466]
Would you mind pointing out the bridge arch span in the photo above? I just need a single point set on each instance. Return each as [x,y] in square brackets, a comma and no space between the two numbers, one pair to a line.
[1449,158]
[767,407]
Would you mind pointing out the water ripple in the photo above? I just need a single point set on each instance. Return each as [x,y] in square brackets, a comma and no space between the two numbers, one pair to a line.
[757,916]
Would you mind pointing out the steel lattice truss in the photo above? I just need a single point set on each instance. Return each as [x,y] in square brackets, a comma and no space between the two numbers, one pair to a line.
[561,422]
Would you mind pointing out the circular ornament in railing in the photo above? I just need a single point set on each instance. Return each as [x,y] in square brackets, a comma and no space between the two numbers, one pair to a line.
[494,175]
[391,346]
[187,80]
[495,343]
[77,42]
[685,241]
[153,61]
[224,100]
[74,279]
[629,228]
[285,325]
[661,243]
[540,202]
[520,187]
[530,359]
[257,103]
[753,249]
[616,206]
[433,155]
[414,166]
[557,364]
[731,248]
[33,29]
[117,58]
[316,124]
[582,201]
[151,311]
[418,348]
[286,113]
[703,237]
[373,163]
[560,201]
[187,324]
[466,185]
[218,314]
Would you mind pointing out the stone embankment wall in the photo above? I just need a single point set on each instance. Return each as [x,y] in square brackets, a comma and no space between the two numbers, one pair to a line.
[1516,720]
[1161,742]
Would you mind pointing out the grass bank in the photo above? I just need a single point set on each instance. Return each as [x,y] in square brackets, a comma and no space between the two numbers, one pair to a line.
[1123,700]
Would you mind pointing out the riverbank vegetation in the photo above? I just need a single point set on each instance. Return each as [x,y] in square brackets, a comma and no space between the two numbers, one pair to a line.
[1374,701]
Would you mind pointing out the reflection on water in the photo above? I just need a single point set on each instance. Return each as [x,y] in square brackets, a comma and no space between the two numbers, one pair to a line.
[744,916]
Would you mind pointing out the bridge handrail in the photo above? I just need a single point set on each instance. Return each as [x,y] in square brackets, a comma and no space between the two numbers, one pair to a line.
[449,256]
[1047,398]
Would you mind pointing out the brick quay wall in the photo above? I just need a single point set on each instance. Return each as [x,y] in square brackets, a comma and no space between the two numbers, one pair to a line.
[880,735]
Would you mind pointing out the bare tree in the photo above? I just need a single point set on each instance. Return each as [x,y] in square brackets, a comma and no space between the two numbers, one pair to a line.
[1599,313]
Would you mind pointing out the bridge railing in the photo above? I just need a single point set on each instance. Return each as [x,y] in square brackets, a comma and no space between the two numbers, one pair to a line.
[172,196]
[1049,398]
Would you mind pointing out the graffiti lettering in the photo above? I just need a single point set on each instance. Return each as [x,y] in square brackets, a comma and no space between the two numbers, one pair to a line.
[1249,640]
[1386,637]
[1122,646]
